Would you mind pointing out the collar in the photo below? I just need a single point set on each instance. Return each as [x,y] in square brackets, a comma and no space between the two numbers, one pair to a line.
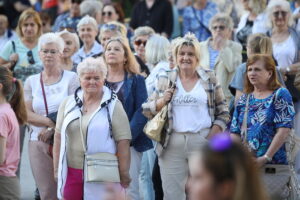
[97,48]
[203,74]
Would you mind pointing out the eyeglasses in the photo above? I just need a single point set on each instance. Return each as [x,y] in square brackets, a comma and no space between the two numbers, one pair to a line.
[139,42]
[221,28]
[51,51]
[277,13]
[109,13]
[111,27]
[30,57]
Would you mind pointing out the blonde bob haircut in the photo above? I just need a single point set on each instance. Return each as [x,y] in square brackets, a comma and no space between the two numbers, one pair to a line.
[117,29]
[91,65]
[131,65]
[188,40]
[282,4]
[259,43]
[257,6]
[26,14]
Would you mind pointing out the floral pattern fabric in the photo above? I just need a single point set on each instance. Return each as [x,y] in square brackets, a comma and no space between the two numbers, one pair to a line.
[265,116]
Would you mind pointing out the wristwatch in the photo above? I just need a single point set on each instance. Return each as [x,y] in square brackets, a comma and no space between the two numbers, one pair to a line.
[269,159]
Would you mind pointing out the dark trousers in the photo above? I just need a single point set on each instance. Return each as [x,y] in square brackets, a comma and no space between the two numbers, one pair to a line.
[156,179]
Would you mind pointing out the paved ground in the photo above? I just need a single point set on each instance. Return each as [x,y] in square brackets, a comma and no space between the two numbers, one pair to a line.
[27,182]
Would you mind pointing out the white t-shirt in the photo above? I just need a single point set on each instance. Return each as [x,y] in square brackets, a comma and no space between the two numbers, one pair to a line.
[190,109]
[284,52]
[55,94]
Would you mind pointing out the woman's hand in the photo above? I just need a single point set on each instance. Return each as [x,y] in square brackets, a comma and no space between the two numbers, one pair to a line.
[218,42]
[125,179]
[168,95]
[45,135]
[261,161]
[13,59]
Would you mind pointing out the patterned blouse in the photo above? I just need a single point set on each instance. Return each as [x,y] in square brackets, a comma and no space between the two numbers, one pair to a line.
[265,116]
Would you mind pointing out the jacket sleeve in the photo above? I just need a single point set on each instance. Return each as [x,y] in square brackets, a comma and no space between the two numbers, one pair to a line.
[138,120]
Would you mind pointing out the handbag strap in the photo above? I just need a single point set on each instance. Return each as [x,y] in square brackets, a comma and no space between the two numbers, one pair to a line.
[44,94]
[244,125]
[199,21]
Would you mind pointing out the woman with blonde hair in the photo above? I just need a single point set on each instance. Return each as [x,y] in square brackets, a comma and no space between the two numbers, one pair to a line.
[253,21]
[110,30]
[191,91]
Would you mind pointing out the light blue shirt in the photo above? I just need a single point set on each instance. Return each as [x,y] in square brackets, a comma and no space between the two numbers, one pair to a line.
[213,55]
[80,55]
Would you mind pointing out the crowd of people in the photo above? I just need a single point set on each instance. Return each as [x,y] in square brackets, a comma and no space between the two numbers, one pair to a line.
[84,77]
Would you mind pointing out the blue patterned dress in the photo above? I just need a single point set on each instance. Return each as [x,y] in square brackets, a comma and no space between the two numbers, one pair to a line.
[264,117]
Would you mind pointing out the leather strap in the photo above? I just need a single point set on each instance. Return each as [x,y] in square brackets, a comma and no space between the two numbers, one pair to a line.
[44,94]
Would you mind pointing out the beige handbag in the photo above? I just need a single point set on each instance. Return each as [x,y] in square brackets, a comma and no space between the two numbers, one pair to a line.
[297,81]
[154,127]
[100,167]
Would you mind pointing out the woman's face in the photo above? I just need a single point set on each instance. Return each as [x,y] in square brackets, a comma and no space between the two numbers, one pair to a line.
[49,54]
[114,53]
[70,46]
[186,58]
[280,17]
[219,30]
[105,36]
[139,45]
[91,82]
[258,75]
[109,14]
[29,28]
[200,184]
[87,33]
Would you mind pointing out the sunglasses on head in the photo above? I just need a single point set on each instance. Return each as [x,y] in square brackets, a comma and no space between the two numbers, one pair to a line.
[111,27]
[109,13]
[30,57]
[277,13]
[139,42]
[221,28]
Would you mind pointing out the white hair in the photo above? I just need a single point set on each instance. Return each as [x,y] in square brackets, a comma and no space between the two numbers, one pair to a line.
[278,3]
[90,7]
[51,38]
[74,37]
[157,49]
[87,20]
[91,64]
[141,31]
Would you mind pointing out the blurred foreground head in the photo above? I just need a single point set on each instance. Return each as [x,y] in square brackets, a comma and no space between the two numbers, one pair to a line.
[223,170]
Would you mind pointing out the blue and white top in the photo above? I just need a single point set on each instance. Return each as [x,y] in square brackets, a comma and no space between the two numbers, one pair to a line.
[80,55]
[192,16]
[213,55]
[265,116]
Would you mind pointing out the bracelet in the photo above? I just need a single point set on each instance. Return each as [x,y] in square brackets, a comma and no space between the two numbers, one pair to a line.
[50,129]
[269,159]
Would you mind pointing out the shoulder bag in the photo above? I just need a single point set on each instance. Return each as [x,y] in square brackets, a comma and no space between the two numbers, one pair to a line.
[100,167]
[199,21]
[275,177]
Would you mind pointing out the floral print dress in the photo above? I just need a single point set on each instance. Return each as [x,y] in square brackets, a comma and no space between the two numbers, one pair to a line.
[265,116]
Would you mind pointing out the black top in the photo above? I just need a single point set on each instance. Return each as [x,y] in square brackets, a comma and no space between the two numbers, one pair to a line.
[159,16]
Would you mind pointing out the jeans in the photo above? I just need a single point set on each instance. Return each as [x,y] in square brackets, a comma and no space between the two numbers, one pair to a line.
[146,174]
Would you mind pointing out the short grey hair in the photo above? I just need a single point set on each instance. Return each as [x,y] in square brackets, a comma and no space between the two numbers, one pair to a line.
[91,64]
[141,31]
[278,3]
[157,49]
[87,20]
[48,38]
[74,37]
[221,18]
[90,7]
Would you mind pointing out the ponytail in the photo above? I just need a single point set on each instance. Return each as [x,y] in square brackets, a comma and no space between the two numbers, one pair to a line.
[13,91]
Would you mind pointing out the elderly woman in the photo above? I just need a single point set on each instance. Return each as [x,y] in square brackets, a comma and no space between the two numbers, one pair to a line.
[71,47]
[21,55]
[94,108]
[130,87]
[197,95]
[253,21]
[220,54]
[139,41]
[110,30]
[87,29]
[43,94]
[273,104]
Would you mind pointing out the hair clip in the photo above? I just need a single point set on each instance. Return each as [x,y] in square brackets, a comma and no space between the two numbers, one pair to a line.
[220,142]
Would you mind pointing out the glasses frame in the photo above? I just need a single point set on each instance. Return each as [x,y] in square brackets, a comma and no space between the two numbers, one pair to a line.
[139,42]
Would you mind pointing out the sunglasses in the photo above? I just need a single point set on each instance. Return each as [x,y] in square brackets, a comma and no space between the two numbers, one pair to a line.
[139,42]
[277,13]
[107,13]
[30,57]
[221,28]
[111,27]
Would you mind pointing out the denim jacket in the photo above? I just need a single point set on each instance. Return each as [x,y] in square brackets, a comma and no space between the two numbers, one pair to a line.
[135,94]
